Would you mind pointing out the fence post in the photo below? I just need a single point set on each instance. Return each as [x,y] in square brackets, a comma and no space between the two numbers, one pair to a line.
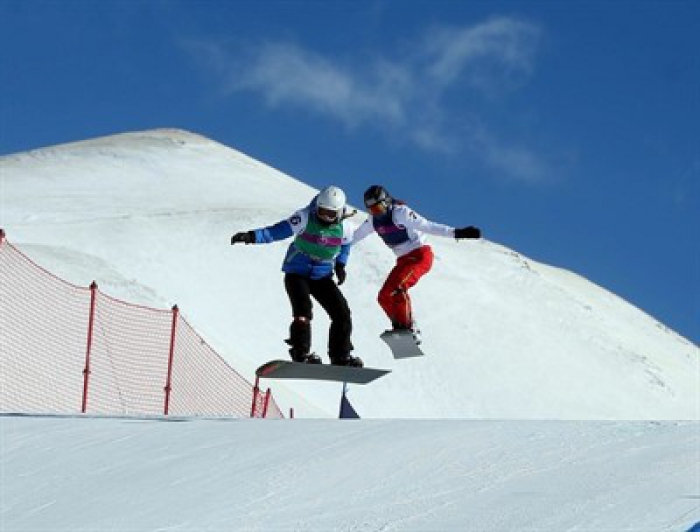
[2,236]
[268,394]
[256,392]
[88,350]
[168,383]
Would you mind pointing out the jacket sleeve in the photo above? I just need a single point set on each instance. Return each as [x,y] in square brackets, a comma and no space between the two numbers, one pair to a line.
[273,233]
[363,231]
[282,229]
[344,254]
[410,219]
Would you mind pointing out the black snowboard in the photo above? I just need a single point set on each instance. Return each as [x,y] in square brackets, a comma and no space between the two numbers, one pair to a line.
[285,369]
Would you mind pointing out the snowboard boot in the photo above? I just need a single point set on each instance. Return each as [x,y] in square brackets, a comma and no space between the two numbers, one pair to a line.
[345,359]
[412,328]
[305,358]
[416,333]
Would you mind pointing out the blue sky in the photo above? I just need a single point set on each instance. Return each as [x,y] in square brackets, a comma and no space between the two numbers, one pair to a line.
[567,131]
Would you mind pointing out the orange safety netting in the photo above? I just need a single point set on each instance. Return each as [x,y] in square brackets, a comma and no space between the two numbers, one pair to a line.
[69,349]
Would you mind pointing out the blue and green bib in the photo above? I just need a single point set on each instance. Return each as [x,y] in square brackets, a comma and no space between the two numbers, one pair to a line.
[320,241]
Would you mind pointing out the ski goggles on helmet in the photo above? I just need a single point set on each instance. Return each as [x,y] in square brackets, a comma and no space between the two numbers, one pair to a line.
[327,215]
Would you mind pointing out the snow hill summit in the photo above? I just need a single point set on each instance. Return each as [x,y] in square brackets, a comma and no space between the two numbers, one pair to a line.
[149,215]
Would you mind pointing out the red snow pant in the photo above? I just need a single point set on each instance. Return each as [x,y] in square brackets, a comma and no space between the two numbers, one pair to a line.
[393,297]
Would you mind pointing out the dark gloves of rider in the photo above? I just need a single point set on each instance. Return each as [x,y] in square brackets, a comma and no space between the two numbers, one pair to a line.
[467,232]
[340,272]
[247,237]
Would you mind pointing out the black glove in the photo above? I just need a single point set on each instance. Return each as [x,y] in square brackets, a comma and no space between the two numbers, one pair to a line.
[467,232]
[247,237]
[340,272]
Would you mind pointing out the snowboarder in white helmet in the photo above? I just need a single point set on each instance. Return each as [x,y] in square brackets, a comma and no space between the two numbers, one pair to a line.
[330,204]
[320,248]
[403,231]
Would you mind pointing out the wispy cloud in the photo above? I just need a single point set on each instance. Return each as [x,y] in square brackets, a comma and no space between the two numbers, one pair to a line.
[286,74]
[407,95]
[487,55]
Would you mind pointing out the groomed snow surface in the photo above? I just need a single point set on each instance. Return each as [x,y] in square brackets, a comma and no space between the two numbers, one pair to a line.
[68,474]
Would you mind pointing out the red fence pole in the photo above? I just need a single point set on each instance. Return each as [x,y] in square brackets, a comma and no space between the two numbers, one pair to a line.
[88,350]
[268,394]
[256,392]
[168,386]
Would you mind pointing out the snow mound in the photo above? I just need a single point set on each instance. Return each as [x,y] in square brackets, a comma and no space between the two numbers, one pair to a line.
[506,337]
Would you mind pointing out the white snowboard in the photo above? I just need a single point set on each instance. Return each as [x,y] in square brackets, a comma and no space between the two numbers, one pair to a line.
[402,344]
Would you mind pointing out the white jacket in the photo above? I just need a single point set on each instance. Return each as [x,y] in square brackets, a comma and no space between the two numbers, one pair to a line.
[415,226]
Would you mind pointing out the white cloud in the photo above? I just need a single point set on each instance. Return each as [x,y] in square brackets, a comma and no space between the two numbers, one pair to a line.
[493,52]
[404,96]
[287,74]
[517,162]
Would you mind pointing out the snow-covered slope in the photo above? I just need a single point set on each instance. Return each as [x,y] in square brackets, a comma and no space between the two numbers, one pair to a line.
[149,215]
[368,475]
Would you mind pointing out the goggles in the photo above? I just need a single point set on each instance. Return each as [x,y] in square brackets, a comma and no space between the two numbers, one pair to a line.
[327,215]
[376,207]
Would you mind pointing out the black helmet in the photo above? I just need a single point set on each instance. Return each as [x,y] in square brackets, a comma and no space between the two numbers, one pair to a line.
[377,195]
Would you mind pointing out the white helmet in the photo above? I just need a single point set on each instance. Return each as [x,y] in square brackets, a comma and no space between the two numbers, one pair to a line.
[330,204]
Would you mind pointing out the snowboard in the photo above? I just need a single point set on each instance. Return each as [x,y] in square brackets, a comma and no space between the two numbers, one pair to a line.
[402,344]
[286,369]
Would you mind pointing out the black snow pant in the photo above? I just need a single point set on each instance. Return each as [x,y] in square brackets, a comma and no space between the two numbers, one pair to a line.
[326,292]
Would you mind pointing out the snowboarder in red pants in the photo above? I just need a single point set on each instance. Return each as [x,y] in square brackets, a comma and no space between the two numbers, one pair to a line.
[403,231]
